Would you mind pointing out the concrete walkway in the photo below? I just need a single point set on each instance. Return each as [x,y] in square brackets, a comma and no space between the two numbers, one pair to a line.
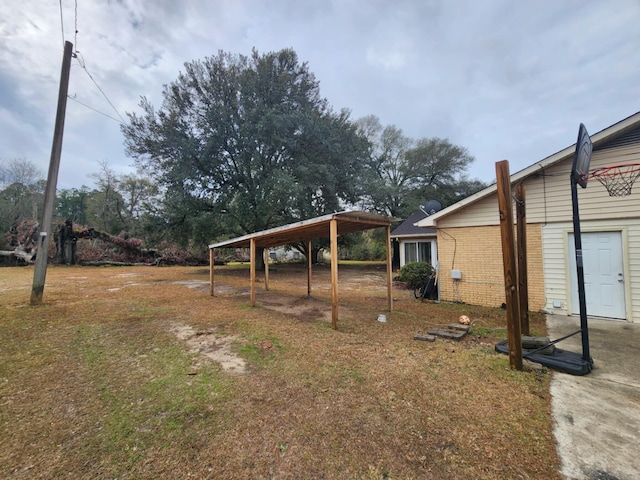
[597,416]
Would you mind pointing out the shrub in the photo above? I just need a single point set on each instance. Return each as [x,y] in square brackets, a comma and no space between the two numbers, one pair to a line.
[414,273]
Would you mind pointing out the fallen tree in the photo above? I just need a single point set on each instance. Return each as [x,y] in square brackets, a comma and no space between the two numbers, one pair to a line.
[88,246]
[22,240]
[104,249]
[19,253]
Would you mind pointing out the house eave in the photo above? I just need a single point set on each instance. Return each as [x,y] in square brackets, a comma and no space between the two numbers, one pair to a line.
[597,139]
[414,235]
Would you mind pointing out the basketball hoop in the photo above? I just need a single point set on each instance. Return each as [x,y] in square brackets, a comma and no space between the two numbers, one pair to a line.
[619,179]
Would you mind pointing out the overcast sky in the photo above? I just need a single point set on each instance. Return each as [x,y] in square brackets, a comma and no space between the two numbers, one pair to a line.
[507,79]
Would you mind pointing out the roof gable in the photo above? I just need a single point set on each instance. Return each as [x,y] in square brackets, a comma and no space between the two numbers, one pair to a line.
[623,130]
[408,227]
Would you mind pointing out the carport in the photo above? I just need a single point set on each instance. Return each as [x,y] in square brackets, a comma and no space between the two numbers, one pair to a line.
[327,226]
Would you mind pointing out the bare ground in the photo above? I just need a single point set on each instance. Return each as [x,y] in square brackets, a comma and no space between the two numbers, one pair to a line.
[121,374]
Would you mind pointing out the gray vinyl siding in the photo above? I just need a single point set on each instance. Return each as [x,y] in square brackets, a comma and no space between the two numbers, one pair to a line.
[556,283]
[548,196]
[632,245]
[479,214]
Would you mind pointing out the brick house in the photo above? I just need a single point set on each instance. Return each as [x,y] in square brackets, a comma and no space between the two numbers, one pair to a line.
[469,243]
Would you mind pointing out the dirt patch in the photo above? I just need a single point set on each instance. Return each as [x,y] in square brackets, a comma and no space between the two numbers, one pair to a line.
[212,345]
[306,309]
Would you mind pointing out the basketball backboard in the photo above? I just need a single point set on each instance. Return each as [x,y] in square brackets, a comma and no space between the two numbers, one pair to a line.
[582,158]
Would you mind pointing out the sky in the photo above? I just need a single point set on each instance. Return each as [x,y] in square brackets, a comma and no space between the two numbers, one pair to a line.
[505,79]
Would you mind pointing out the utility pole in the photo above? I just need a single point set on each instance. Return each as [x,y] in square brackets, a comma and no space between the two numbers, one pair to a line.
[40,271]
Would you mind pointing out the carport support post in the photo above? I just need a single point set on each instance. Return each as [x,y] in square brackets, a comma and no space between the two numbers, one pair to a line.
[265,259]
[252,274]
[211,265]
[505,209]
[333,231]
[309,265]
[389,269]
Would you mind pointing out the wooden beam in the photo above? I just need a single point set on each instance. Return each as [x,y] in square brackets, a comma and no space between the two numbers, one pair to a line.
[252,275]
[521,238]
[211,265]
[309,266]
[389,269]
[265,259]
[334,273]
[505,209]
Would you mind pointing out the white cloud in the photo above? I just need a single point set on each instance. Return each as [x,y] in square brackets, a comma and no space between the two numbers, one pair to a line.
[504,79]
[389,60]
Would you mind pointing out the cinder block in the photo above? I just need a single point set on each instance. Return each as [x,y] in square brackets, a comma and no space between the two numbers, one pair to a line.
[424,338]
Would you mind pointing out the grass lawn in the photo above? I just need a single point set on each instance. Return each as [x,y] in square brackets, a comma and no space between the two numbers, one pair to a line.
[99,383]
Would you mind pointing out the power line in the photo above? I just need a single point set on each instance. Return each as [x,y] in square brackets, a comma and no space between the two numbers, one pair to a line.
[94,109]
[61,23]
[75,37]
[84,67]
[80,58]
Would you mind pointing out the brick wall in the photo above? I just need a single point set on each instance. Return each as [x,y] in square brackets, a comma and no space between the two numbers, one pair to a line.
[477,253]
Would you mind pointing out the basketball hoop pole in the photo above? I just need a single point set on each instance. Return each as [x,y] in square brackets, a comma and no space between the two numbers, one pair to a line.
[579,176]
[584,327]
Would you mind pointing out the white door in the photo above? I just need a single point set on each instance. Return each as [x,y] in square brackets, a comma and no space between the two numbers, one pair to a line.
[603,274]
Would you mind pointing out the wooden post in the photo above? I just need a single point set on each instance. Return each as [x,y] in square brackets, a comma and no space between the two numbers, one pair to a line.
[212,257]
[265,258]
[309,266]
[252,275]
[503,181]
[523,285]
[334,272]
[40,270]
[389,269]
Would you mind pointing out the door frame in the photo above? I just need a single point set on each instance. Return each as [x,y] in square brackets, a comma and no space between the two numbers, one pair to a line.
[625,269]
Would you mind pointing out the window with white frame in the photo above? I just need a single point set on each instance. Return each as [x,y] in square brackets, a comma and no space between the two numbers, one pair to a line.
[417,252]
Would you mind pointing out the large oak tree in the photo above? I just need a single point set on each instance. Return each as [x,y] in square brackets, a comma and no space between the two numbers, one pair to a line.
[248,143]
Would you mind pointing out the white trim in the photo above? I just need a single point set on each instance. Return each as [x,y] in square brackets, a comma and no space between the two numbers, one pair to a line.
[434,249]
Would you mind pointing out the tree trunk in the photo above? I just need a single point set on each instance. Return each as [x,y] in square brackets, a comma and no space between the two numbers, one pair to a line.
[259,259]
[66,243]
[314,255]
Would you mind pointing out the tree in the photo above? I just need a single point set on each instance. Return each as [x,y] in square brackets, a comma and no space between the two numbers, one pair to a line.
[18,170]
[439,169]
[247,142]
[73,204]
[389,180]
[138,194]
[105,204]
[21,193]
[404,173]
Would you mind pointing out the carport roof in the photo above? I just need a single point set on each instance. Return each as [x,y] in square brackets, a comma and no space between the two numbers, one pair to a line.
[319,227]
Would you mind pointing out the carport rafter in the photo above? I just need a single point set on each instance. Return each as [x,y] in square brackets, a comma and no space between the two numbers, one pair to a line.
[327,226]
